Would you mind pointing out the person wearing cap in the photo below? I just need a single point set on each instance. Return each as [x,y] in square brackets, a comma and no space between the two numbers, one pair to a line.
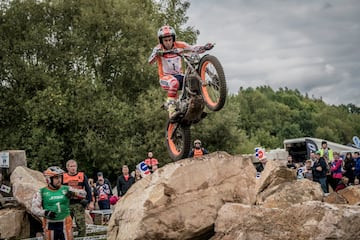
[197,150]
[319,170]
[106,181]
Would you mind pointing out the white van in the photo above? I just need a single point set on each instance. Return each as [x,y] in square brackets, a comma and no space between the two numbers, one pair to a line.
[300,148]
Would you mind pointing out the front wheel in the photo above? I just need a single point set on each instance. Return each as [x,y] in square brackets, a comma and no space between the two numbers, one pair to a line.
[213,87]
[178,140]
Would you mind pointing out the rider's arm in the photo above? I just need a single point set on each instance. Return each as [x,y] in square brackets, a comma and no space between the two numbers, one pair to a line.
[36,206]
[202,49]
[154,55]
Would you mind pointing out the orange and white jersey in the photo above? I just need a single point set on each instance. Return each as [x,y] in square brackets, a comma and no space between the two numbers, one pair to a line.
[169,64]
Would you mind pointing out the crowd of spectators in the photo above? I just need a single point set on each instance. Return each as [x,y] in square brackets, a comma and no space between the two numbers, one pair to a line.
[331,170]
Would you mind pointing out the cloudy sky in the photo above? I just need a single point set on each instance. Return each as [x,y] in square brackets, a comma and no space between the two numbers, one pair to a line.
[312,46]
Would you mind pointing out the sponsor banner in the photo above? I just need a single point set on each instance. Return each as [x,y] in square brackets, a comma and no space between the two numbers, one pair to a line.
[5,188]
[4,160]
[259,153]
[144,169]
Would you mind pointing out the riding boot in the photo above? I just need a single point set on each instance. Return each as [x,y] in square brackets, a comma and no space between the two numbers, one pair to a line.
[171,108]
[172,111]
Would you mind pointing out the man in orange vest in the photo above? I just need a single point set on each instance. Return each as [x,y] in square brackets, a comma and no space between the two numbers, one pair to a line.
[78,180]
[151,162]
[198,151]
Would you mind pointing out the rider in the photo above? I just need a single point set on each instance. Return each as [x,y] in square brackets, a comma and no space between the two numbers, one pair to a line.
[197,151]
[52,203]
[170,65]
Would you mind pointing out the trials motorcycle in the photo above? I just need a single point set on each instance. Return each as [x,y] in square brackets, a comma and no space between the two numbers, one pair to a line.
[204,84]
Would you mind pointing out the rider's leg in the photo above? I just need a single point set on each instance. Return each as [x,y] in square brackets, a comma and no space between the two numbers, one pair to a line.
[171,84]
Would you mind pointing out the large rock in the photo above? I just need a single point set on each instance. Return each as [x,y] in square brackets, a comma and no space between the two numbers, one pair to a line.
[181,199]
[351,194]
[16,158]
[14,224]
[274,174]
[309,220]
[289,193]
[26,183]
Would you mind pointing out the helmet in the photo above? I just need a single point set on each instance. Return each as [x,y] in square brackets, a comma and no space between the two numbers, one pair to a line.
[166,31]
[197,141]
[52,172]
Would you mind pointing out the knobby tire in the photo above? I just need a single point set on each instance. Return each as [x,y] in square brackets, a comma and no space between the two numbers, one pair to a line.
[178,143]
[213,86]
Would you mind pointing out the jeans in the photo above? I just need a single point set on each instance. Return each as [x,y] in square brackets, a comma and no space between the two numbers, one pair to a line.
[323,183]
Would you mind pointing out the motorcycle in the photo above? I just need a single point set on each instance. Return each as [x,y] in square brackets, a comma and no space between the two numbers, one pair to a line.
[204,84]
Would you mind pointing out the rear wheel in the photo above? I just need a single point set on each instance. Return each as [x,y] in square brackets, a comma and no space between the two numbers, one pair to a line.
[178,140]
[213,82]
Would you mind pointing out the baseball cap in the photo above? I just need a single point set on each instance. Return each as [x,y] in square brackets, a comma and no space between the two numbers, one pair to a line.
[100,174]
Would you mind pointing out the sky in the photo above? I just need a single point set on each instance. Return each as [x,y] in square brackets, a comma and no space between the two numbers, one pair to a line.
[312,46]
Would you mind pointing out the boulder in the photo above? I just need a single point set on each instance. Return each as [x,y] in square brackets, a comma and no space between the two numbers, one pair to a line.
[351,194]
[181,199]
[26,183]
[307,220]
[288,193]
[14,224]
[274,174]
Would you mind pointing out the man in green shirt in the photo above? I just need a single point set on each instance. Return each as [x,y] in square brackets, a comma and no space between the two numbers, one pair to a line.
[52,203]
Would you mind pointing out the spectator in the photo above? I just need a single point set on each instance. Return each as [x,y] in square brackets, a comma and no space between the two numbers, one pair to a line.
[101,175]
[307,170]
[344,182]
[151,162]
[357,164]
[290,163]
[319,171]
[93,194]
[137,174]
[93,189]
[53,204]
[326,152]
[312,156]
[124,181]
[260,167]
[197,150]
[349,168]
[78,180]
[356,182]
[300,170]
[336,171]
[103,193]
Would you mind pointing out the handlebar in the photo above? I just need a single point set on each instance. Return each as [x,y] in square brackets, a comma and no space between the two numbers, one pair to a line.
[180,51]
[177,51]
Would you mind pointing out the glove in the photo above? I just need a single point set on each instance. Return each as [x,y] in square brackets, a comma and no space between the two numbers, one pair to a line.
[159,53]
[70,194]
[208,46]
[50,214]
[84,203]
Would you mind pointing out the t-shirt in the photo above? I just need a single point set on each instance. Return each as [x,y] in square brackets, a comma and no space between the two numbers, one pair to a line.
[56,201]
